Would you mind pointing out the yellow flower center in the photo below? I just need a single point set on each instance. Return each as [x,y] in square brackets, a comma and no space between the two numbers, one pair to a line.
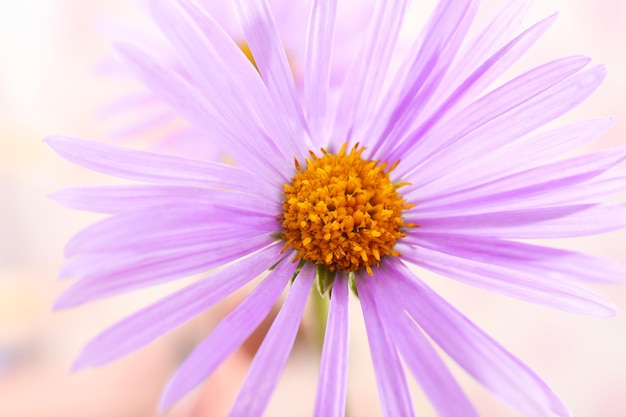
[343,212]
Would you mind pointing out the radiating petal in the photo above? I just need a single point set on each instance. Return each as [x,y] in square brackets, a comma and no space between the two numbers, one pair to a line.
[204,50]
[317,65]
[128,102]
[390,379]
[269,54]
[191,104]
[529,151]
[601,187]
[427,367]
[515,279]
[516,191]
[152,167]
[141,125]
[270,359]
[491,110]
[471,87]
[508,125]
[550,263]
[228,334]
[165,315]
[332,383]
[537,223]
[122,229]
[117,199]
[493,36]
[418,78]
[106,257]
[489,70]
[376,54]
[132,272]
[481,356]
[288,134]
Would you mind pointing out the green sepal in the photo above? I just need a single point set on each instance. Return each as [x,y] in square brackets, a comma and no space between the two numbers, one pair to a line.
[324,280]
[298,269]
[271,268]
[352,283]
[277,235]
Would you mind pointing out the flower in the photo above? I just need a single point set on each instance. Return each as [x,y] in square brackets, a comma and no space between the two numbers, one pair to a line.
[426,166]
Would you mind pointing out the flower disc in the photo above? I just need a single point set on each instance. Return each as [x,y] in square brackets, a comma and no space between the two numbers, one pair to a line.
[342,211]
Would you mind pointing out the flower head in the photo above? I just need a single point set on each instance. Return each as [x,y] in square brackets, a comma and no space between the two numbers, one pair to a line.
[427,165]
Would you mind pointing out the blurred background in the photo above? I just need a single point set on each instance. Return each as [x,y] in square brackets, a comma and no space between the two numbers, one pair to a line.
[49,84]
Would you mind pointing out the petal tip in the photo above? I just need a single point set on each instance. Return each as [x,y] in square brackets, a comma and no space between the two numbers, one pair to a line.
[84,361]
[59,305]
[66,300]
[52,140]
[78,365]
[167,401]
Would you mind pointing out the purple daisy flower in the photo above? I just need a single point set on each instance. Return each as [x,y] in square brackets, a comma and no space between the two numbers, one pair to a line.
[427,166]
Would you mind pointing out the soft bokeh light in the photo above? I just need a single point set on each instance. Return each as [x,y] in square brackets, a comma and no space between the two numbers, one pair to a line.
[49,51]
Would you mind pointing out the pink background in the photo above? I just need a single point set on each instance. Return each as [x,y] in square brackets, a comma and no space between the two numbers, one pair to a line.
[48,49]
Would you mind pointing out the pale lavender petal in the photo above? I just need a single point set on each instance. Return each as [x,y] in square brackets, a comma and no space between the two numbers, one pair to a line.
[529,151]
[130,101]
[130,272]
[489,71]
[165,220]
[516,190]
[130,231]
[221,12]
[291,21]
[536,223]
[141,125]
[432,136]
[516,279]
[390,378]
[376,54]
[270,359]
[493,36]
[317,65]
[288,134]
[188,141]
[481,356]
[550,263]
[228,334]
[116,199]
[156,119]
[469,89]
[165,315]
[418,79]
[512,124]
[350,30]
[332,383]
[217,80]
[190,103]
[425,363]
[155,168]
[269,54]
[604,185]
[168,243]
[357,71]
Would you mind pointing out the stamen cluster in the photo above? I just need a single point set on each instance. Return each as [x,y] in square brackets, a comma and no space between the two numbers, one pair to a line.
[342,211]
